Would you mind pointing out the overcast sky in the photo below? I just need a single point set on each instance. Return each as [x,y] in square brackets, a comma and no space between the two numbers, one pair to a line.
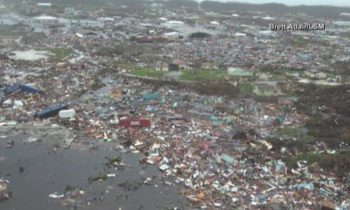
[298,2]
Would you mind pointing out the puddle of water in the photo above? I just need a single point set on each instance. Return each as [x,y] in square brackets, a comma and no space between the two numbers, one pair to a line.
[30,55]
[45,173]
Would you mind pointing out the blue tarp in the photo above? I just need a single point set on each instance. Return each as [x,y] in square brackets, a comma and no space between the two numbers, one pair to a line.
[23,88]
[10,89]
[51,111]
[29,89]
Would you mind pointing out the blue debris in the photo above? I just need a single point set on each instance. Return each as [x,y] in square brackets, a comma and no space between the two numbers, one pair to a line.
[50,111]
[23,88]
[30,89]
[261,198]
[10,89]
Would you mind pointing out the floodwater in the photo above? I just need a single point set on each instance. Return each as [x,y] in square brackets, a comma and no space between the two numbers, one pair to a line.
[46,170]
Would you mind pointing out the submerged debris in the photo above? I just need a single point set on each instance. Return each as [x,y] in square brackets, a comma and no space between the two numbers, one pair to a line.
[4,193]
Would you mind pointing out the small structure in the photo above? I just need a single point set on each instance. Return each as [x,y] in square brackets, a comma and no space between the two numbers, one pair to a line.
[162,66]
[263,76]
[338,79]
[44,19]
[287,102]
[173,67]
[214,23]
[238,34]
[321,75]
[44,4]
[173,35]
[316,75]
[79,35]
[199,35]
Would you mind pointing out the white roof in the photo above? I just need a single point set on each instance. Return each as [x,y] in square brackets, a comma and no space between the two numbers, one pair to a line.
[174,22]
[183,28]
[240,34]
[268,18]
[172,33]
[79,35]
[44,4]
[266,32]
[106,19]
[45,17]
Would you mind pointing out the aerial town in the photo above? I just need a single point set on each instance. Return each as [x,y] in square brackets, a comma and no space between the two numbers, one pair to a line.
[173,105]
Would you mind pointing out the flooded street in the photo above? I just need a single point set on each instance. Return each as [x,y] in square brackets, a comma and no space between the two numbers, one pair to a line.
[35,171]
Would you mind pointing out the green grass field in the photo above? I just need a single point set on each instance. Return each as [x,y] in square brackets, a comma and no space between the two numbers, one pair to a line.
[58,53]
[203,75]
[186,75]
[61,53]
[147,72]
